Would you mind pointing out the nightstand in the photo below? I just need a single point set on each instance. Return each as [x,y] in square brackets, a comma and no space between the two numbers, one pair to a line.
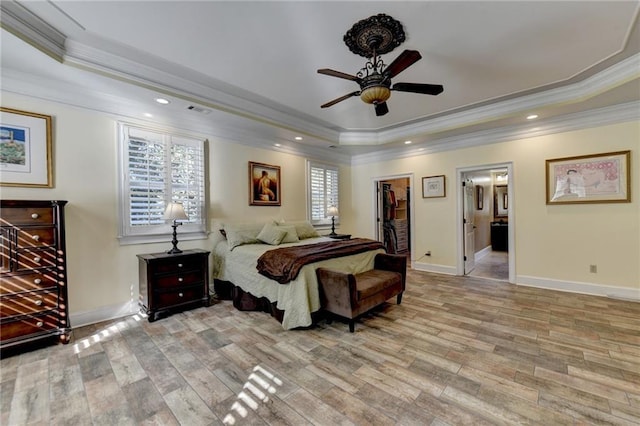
[171,282]
[340,236]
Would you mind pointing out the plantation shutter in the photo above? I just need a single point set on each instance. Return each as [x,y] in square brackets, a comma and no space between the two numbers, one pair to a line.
[323,191]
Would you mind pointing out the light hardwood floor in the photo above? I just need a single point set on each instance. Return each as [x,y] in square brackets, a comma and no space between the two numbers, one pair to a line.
[459,350]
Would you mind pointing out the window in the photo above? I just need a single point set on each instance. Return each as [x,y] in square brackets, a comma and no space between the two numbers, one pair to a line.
[323,191]
[158,168]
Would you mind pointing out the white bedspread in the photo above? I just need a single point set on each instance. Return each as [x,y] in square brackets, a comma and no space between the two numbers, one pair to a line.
[298,298]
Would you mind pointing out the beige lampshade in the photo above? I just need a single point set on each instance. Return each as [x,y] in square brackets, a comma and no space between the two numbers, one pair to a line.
[332,211]
[175,211]
[377,94]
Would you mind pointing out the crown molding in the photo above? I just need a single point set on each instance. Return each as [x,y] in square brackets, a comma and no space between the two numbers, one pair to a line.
[21,22]
[566,123]
[616,75]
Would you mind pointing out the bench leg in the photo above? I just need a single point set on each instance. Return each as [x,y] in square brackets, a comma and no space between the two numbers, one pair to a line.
[352,325]
[399,298]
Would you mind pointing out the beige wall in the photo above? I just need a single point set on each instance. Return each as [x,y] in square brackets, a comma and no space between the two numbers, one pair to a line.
[552,242]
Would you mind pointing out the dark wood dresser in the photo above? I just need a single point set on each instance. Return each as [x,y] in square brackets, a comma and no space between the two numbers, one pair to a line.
[33,274]
[171,282]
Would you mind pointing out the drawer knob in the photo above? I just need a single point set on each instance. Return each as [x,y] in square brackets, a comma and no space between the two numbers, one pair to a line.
[38,302]
[37,259]
[180,294]
[36,237]
[34,215]
[180,279]
[179,265]
[39,323]
[37,281]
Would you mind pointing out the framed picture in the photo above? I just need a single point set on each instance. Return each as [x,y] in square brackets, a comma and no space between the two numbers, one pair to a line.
[479,197]
[264,185]
[501,201]
[433,186]
[25,149]
[596,178]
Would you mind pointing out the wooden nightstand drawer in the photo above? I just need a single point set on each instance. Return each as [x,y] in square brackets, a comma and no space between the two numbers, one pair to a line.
[36,237]
[183,263]
[35,258]
[37,280]
[167,299]
[28,326]
[179,279]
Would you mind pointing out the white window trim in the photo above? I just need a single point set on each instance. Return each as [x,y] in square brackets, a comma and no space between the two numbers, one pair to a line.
[163,232]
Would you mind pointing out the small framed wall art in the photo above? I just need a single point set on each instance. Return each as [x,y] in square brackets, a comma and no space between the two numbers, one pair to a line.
[433,186]
[264,185]
[25,149]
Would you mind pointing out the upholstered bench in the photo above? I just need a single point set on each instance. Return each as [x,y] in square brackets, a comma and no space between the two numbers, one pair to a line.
[351,295]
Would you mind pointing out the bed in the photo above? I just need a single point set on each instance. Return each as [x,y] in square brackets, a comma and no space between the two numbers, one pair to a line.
[234,260]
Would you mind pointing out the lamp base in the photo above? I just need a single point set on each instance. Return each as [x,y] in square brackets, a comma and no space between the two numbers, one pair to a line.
[174,241]
[174,250]
[333,227]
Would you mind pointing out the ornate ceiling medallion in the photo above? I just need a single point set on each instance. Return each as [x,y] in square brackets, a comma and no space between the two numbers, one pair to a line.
[380,33]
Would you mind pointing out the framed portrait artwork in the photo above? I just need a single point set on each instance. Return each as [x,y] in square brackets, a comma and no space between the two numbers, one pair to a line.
[25,149]
[479,197]
[433,187]
[264,185]
[595,178]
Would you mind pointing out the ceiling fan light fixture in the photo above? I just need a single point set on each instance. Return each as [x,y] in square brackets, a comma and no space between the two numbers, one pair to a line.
[375,94]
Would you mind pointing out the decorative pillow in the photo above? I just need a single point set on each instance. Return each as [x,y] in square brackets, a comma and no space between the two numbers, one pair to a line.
[291,236]
[271,234]
[304,229]
[242,233]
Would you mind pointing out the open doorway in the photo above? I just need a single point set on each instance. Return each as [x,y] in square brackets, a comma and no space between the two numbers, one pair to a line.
[486,224]
[393,213]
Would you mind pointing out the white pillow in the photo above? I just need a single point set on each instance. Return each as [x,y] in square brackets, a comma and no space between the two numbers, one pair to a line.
[304,229]
[271,234]
[242,233]
[291,236]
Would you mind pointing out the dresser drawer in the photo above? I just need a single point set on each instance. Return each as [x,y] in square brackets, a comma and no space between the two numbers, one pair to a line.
[36,236]
[36,280]
[28,303]
[183,263]
[27,215]
[166,299]
[25,326]
[35,258]
[178,280]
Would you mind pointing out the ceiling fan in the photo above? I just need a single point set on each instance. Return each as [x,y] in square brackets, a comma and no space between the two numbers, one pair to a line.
[371,37]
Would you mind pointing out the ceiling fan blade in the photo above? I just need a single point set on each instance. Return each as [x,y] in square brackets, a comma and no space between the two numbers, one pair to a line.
[401,63]
[333,73]
[340,99]
[425,89]
[381,109]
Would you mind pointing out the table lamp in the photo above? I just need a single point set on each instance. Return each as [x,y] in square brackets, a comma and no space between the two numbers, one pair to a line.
[175,212]
[333,212]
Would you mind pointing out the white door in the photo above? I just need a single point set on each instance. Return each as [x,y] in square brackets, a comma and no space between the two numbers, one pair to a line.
[469,227]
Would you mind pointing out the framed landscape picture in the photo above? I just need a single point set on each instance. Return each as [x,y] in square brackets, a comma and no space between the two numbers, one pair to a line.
[25,149]
[264,185]
[595,178]
[433,186]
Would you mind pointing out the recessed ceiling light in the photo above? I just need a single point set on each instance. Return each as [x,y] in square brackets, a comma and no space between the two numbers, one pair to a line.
[532,117]
[407,142]
[298,138]
[277,144]
[162,101]
[146,114]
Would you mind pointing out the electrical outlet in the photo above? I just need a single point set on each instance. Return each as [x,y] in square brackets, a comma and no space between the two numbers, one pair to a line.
[593,269]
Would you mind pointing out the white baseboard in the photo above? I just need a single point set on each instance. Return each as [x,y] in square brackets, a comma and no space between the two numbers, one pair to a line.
[103,313]
[482,253]
[430,267]
[625,293]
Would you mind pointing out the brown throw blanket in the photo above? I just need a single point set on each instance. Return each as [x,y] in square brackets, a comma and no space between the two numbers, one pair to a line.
[283,264]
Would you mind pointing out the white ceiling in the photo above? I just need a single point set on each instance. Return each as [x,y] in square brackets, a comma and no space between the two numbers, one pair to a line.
[253,64]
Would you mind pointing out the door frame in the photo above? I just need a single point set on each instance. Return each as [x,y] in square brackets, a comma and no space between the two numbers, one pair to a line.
[460,175]
[375,183]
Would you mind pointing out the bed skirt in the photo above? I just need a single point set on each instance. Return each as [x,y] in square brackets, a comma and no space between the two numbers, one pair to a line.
[244,301]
